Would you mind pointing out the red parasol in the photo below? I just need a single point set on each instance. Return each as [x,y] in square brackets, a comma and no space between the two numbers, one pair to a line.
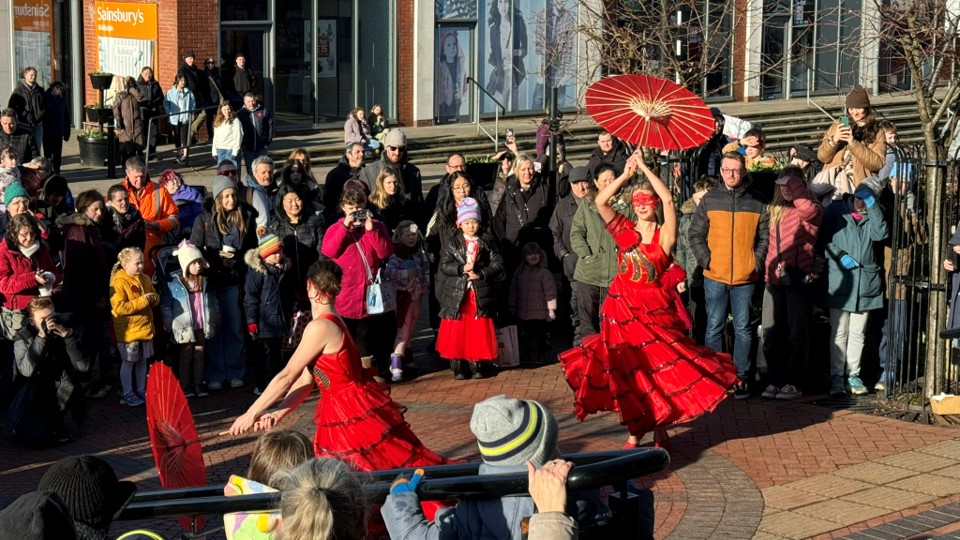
[649,111]
[173,435]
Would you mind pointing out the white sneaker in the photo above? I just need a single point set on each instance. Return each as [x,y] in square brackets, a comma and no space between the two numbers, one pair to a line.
[236,383]
[256,391]
[771,392]
[215,385]
[396,374]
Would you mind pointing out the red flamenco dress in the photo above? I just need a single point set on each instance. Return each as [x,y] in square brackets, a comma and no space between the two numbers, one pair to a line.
[642,364]
[357,422]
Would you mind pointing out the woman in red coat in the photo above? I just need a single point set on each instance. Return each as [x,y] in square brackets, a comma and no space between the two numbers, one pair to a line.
[25,266]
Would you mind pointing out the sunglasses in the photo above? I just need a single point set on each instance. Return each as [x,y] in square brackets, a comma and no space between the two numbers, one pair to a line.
[229,172]
[396,148]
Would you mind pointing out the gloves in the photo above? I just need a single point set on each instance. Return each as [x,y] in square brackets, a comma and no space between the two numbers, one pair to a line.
[865,194]
[402,485]
[253,329]
[848,262]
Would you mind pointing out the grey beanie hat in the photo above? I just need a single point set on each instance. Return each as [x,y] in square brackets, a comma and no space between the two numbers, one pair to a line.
[511,431]
[222,183]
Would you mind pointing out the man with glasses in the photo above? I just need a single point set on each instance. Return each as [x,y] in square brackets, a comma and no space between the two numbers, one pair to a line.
[348,169]
[395,154]
[728,235]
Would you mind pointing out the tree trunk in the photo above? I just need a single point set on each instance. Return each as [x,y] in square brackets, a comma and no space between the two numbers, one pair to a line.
[934,350]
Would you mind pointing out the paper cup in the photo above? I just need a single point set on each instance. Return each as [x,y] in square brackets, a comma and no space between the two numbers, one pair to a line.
[228,249]
[47,290]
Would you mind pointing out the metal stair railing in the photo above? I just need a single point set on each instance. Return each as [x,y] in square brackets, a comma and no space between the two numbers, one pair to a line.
[495,137]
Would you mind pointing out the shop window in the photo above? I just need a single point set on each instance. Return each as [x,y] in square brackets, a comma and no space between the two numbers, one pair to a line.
[248,10]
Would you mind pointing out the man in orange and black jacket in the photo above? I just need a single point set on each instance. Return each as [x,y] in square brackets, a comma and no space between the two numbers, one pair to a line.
[728,236]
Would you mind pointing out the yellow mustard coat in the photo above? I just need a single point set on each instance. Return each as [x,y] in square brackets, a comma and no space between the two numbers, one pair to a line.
[132,313]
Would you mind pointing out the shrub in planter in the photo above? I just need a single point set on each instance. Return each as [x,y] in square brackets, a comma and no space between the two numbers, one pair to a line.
[93,147]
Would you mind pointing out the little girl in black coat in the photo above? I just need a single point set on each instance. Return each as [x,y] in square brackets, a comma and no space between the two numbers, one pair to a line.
[474,269]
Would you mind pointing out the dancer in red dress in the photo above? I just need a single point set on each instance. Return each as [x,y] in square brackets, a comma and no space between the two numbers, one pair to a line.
[642,364]
[357,422]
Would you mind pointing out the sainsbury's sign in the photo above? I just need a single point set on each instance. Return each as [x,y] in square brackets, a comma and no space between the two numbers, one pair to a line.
[126,20]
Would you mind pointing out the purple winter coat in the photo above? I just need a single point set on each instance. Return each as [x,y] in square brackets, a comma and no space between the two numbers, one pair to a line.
[340,244]
[189,203]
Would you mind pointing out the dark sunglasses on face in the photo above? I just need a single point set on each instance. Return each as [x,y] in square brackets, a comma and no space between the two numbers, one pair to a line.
[397,148]
[229,172]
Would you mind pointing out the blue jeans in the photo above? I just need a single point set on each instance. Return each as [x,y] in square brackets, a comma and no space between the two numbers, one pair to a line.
[897,324]
[224,359]
[223,154]
[717,297]
[248,157]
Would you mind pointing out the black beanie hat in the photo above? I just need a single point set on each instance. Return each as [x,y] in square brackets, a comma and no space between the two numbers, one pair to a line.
[38,516]
[90,489]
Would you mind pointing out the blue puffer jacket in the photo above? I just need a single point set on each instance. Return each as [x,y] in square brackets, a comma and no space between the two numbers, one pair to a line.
[859,289]
[175,309]
[269,298]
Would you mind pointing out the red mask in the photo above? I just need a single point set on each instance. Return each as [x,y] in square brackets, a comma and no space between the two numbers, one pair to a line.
[642,198]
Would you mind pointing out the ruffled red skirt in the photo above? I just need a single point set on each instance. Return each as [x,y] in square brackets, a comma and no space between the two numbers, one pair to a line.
[469,338]
[644,366]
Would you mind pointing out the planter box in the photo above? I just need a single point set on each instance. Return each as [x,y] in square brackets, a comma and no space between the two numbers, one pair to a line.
[101,82]
[98,115]
[93,152]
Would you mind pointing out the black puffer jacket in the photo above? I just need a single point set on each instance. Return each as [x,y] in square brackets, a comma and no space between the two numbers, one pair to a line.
[301,241]
[151,96]
[489,265]
[22,143]
[268,296]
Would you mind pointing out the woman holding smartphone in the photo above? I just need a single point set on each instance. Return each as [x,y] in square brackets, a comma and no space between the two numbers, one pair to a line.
[360,245]
[855,141]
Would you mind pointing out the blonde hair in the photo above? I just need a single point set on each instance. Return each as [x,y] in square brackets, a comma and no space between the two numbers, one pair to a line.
[277,450]
[123,256]
[379,197]
[778,206]
[321,499]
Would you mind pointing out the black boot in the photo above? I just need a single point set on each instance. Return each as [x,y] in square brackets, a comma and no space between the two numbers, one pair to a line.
[459,371]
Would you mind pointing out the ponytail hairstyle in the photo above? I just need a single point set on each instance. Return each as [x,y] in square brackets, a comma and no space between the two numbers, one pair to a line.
[124,254]
[321,498]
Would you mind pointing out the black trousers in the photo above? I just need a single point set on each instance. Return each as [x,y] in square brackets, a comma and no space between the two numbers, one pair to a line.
[589,300]
[267,360]
[533,336]
[374,335]
[785,329]
[53,150]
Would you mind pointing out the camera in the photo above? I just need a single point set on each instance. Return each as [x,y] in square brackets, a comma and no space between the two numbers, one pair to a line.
[359,215]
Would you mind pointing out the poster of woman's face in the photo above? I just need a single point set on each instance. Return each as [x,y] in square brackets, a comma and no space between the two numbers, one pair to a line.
[452,92]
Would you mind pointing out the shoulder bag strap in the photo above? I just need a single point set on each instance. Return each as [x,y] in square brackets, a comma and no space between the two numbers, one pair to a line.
[366,265]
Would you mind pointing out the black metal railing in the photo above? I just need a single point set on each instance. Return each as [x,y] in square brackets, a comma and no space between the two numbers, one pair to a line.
[444,482]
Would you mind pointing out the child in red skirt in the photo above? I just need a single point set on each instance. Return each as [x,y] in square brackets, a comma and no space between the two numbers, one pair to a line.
[467,301]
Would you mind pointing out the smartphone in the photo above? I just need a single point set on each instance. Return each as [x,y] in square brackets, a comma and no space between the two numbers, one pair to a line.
[844,120]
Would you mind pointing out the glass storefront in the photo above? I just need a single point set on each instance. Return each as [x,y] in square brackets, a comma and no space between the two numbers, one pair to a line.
[317,59]
[808,46]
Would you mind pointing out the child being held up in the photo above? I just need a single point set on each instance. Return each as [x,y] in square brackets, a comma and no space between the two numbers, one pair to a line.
[533,301]
[190,315]
[132,299]
[269,301]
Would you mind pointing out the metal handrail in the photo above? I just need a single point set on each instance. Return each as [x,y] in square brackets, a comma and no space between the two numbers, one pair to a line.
[496,113]
[441,482]
[168,115]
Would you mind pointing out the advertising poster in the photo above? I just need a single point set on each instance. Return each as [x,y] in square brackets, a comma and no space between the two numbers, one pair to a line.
[326,48]
[33,27]
[525,48]
[455,10]
[452,93]
[126,37]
